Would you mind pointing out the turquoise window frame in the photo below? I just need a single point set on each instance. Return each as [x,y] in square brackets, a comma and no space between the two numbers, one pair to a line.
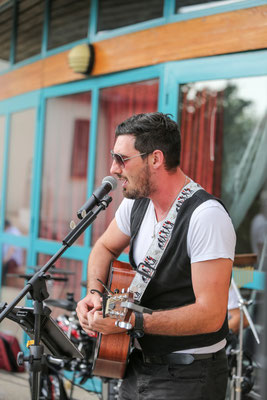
[170,75]
[7,108]
[173,17]
[228,66]
[77,252]
[37,100]
[168,16]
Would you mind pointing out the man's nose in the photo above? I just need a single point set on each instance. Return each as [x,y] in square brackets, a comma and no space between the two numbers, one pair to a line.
[115,168]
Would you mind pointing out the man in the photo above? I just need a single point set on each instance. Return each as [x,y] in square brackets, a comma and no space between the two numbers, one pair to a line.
[182,245]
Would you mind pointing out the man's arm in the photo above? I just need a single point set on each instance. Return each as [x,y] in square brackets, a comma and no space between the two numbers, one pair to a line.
[211,285]
[211,281]
[108,247]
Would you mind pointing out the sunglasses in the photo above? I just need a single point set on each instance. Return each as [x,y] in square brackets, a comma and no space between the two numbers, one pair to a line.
[120,160]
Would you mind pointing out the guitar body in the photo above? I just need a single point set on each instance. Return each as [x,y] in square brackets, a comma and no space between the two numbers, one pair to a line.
[111,351]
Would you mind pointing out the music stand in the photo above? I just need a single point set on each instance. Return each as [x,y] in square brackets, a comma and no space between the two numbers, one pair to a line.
[54,339]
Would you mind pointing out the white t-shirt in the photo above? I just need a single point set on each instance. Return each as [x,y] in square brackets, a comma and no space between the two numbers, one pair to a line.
[210,236]
[204,240]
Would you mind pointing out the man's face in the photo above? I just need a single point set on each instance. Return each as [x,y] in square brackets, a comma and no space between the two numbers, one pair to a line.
[135,174]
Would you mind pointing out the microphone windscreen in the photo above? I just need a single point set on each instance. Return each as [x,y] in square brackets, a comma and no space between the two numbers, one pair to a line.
[112,181]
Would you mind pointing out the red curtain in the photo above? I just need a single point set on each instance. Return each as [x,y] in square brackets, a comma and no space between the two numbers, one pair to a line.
[117,104]
[202,138]
[80,149]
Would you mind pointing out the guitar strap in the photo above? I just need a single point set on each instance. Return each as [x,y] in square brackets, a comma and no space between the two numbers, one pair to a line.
[146,269]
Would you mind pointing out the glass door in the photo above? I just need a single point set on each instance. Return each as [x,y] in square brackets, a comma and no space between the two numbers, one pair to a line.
[222,112]
[17,157]
[221,106]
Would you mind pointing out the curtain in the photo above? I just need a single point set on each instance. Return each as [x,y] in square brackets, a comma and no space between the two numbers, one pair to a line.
[117,104]
[80,149]
[202,138]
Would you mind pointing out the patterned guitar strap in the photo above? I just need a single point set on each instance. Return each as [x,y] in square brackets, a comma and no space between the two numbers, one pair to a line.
[146,269]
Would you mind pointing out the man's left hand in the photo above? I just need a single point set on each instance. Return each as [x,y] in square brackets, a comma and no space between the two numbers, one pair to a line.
[105,326]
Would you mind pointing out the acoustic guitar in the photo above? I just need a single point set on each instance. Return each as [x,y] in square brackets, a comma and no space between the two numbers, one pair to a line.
[111,351]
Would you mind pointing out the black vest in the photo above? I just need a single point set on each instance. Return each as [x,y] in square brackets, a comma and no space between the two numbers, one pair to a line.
[171,286]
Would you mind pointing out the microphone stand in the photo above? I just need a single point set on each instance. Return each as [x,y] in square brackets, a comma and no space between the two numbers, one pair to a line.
[36,286]
[236,386]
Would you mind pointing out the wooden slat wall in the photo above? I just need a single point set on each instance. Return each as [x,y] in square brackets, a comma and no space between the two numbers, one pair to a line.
[229,32]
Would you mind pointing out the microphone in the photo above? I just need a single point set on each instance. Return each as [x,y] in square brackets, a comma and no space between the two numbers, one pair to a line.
[108,183]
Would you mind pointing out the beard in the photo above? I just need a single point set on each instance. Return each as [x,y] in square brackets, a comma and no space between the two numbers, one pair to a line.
[141,186]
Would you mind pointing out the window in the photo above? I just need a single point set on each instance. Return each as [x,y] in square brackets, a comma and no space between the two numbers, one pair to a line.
[185,6]
[116,14]
[2,140]
[68,21]
[29,28]
[79,157]
[117,104]
[6,18]
[19,178]
[224,140]
[62,196]
[13,281]
[13,261]
[65,283]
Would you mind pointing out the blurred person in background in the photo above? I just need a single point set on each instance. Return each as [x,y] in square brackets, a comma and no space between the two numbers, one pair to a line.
[12,255]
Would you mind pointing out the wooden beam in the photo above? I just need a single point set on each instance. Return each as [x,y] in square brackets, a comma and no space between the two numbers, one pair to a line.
[245,259]
[231,32]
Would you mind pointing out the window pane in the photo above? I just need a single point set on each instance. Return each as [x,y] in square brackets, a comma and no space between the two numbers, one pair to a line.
[68,21]
[184,6]
[117,104]
[2,138]
[224,141]
[13,270]
[70,286]
[20,169]
[66,147]
[6,15]
[29,28]
[115,14]
[13,262]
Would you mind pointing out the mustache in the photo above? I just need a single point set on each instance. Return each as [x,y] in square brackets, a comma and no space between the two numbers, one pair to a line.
[119,176]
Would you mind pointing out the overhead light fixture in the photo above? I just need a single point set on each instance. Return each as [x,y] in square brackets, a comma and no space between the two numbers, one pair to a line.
[81,58]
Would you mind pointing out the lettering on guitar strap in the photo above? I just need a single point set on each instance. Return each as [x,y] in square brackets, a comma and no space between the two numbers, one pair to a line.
[164,233]
[146,269]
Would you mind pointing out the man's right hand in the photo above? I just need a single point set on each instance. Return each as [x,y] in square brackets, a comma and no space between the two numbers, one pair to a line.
[91,303]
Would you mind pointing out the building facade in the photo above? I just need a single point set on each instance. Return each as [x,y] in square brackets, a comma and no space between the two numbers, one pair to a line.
[204,62]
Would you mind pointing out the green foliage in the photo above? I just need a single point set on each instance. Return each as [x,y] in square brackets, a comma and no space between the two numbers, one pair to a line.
[238,127]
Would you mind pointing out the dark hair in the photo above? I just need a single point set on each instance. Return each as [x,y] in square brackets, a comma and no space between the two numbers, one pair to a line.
[154,131]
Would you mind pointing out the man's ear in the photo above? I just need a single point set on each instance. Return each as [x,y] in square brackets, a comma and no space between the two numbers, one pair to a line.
[157,159]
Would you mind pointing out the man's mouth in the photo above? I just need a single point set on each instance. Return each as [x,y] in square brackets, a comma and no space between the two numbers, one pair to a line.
[123,181]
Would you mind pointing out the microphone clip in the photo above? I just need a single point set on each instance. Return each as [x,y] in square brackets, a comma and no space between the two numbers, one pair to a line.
[104,202]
